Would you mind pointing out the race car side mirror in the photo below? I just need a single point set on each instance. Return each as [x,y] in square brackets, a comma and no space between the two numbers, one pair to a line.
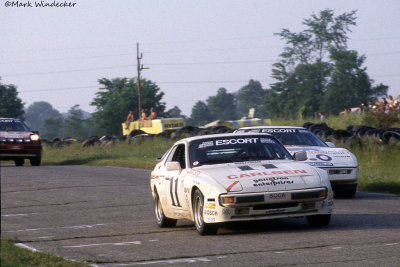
[173,166]
[300,156]
[330,144]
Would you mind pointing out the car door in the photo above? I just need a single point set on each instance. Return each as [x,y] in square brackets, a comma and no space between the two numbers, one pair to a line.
[173,178]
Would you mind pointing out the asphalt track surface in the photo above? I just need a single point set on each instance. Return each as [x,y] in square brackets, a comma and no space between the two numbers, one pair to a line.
[104,215]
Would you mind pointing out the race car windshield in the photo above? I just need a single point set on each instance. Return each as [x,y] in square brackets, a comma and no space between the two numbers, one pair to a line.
[290,137]
[235,149]
[13,125]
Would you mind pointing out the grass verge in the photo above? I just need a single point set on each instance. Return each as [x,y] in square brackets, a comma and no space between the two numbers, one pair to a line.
[140,154]
[378,170]
[11,256]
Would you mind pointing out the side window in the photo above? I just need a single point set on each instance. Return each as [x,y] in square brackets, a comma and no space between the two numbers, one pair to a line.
[171,154]
[178,154]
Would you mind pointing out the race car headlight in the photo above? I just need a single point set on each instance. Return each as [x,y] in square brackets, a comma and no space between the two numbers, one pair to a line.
[323,193]
[34,137]
[227,200]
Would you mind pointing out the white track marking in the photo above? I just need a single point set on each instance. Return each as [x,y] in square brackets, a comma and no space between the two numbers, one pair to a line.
[21,245]
[106,244]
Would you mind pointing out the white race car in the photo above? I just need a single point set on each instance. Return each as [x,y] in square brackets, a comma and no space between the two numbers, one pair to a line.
[213,179]
[341,164]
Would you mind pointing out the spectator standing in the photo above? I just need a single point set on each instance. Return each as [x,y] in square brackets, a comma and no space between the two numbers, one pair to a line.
[143,116]
[153,114]
[390,100]
[384,104]
[129,119]
[397,102]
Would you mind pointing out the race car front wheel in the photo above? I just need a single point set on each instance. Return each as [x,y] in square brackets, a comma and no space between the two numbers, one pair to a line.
[19,162]
[198,205]
[319,220]
[161,219]
[36,160]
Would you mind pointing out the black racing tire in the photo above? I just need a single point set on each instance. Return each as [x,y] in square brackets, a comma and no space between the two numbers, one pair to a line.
[198,205]
[345,191]
[19,162]
[36,161]
[162,220]
[319,220]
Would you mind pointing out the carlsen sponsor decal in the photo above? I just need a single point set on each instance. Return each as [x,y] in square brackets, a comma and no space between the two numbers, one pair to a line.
[266,173]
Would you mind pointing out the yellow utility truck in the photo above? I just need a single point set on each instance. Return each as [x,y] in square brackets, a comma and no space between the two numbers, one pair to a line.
[153,126]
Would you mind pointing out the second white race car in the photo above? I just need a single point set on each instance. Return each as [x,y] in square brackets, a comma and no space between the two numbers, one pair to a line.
[341,164]
[214,179]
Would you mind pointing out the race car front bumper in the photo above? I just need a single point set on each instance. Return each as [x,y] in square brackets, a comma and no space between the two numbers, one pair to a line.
[270,205]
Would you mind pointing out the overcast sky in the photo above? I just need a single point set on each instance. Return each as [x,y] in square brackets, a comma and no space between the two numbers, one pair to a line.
[57,54]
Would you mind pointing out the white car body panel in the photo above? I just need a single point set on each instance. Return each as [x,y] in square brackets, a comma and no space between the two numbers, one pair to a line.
[287,189]
[341,164]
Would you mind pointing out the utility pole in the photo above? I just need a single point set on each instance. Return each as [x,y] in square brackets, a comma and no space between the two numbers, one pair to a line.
[139,68]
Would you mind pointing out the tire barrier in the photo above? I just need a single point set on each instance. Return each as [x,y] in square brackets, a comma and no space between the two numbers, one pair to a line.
[352,135]
[355,135]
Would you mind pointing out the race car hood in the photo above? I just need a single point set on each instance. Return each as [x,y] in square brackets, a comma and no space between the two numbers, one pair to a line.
[262,176]
[326,156]
[14,134]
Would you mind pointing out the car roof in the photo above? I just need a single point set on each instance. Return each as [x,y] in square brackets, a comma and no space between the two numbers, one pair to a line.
[11,119]
[200,137]
[271,127]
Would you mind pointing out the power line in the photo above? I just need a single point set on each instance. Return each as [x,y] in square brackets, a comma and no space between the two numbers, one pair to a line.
[131,65]
[170,51]
[147,52]
[58,89]
[165,82]
[67,71]
[189,41]
[64,59]
[147,43]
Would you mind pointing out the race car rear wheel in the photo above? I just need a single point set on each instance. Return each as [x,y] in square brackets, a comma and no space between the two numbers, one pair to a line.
[198,205]
[19,162]
[161,219]
[319,220]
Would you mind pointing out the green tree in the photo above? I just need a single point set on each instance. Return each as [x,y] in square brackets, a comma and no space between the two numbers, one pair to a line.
[174,112]
[11,105]
[222,106]
[117,97]
[304,68]
[51,127]
[74,123]
[251,96]
[38,111]
[200,114]
[350,84]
